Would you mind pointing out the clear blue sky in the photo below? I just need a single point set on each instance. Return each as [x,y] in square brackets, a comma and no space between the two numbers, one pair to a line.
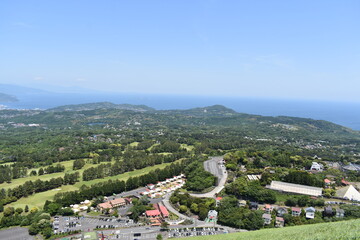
[285,49]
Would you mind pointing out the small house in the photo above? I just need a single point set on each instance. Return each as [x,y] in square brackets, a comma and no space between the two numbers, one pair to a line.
[279,222]
[242,203]
[340,213]
[218,199]
[268,208]
[310,212]
[327,182]
[281,211]
[254,205]
[316,166]
[328,211]
[295,211]
[212,215]
[267,218]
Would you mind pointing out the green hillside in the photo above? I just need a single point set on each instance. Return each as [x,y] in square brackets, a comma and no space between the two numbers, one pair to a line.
[329,231]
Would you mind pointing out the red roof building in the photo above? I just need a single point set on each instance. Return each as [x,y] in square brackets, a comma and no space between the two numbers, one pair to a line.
[164,212]
[345,182]
[153,213]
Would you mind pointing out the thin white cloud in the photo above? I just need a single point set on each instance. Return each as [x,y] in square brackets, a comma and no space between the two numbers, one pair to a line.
[38,78]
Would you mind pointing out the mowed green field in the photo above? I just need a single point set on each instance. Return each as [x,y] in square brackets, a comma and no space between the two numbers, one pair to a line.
[343,230]
[38,199]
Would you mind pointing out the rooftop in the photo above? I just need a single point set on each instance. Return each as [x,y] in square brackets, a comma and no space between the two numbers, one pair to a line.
[295,188]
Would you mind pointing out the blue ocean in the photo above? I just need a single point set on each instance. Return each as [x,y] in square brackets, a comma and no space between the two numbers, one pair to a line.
[346,114]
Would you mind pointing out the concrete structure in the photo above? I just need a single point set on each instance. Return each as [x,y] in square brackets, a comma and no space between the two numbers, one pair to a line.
[349,193]
[295,188]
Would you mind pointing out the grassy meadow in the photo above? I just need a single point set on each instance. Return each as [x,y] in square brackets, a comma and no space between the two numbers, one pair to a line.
[343,230]
[38,199]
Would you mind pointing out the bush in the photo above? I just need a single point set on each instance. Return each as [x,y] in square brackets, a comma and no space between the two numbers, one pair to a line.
[183,209]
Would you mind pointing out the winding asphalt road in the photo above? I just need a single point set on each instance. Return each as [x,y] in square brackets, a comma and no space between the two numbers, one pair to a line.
[215,167]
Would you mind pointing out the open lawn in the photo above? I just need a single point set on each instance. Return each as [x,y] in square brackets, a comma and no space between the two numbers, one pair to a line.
[38,199]
[322,231]
[68,169]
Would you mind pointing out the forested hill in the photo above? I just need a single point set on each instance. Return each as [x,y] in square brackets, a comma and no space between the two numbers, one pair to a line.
[215,110]
[7,98]
[214,123]
[101,105]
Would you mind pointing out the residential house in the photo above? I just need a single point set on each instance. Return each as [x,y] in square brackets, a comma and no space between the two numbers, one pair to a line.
[310,212]
[281,211]
[344,182]
[295,211]
[340,213]
[316,166]
[254,205]
[279,222]
[218,199]
[328,211]
[242,203]
[327,182]
[268,208]
[267,218]
[212,215]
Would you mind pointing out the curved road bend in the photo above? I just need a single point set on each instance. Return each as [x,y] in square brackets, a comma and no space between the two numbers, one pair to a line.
[212,165]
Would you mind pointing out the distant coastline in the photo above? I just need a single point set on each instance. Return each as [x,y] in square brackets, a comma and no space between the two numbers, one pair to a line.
[346,114]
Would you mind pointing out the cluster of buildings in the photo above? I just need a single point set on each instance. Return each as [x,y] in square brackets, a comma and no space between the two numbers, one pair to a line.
[83,206]
[167,186]
[158,215]
[112,204]
[296,212]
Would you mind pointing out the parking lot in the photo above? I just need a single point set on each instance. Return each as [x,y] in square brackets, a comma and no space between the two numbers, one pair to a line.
[15,234]
[190,232]
[120,234]
[66,224]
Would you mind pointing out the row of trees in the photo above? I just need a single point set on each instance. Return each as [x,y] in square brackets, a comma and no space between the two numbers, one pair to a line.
[9,172]
[131,160]
[30,187]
